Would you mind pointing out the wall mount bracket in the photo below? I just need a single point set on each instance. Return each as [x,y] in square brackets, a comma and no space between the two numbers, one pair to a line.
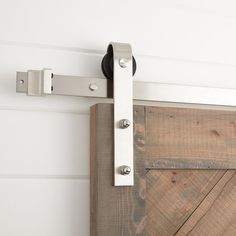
[44,82]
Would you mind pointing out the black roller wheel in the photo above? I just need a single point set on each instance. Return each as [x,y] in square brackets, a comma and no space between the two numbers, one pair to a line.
[107,64]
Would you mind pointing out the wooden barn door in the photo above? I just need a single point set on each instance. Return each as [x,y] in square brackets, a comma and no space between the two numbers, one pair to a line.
[185,182]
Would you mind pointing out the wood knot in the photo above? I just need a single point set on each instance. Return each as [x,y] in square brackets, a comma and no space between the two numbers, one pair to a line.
[173,180]
[215,132]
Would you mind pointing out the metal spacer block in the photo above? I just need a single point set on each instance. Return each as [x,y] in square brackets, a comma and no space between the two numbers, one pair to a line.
[34,82]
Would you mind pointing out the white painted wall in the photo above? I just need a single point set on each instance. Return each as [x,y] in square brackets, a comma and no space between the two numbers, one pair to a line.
[44,142]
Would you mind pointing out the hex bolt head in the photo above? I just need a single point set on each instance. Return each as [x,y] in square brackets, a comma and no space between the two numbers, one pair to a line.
[123,62]
[93,87]
[124,123]
[125,170]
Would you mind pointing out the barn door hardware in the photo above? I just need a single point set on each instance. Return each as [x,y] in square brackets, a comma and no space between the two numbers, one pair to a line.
[118,66]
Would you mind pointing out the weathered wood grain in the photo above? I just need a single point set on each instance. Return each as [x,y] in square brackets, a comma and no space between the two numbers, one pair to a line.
[217,214]
[190,138]
[115,211]
[172,196]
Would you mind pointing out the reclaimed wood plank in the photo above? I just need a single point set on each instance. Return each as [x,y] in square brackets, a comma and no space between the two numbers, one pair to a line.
[190,138]
[191,163]
[115,211]
[172,196]
[205,206]
[217,214]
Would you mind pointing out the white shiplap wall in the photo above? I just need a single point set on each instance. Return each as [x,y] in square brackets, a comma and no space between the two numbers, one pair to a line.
[188,46]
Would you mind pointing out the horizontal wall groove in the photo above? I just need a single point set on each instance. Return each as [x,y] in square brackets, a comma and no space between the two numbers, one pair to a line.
[43,176]
[190,61]
[52,47]
[97,52]
[200,11]
[42,110]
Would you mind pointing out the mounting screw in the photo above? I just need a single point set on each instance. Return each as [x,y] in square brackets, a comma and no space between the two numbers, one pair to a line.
[125,170]
[93,87]
[125,123]
[123,62]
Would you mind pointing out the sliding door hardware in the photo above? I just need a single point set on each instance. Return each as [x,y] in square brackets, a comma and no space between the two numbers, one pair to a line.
[118,66]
